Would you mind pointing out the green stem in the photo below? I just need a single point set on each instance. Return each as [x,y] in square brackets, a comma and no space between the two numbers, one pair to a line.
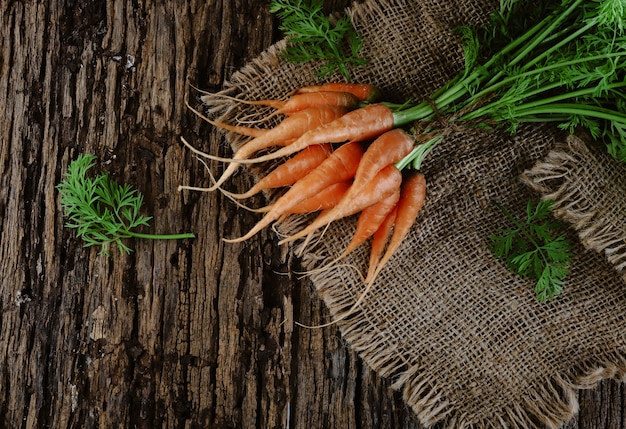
[417,155]
[458,90]
[493,107]
[572,109]
[160,236]
[545,34]
[511,79]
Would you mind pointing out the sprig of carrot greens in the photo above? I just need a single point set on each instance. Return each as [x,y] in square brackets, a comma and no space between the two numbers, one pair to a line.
[313,35]
[102,211]
[536,248]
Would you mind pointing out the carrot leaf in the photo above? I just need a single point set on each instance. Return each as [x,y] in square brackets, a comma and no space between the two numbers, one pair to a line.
[535,248]
[313,35]
[102,211]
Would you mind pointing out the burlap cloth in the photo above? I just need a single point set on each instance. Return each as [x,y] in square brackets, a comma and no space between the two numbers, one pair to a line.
[463,338]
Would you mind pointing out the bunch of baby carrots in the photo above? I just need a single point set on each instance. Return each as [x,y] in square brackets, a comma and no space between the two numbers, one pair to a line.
[340,154]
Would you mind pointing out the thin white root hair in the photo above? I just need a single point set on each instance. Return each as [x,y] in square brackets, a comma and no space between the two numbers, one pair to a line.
[309,237]
[222,159]
[223,191]
[331,265]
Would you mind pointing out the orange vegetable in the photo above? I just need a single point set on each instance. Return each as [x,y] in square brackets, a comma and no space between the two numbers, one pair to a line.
[386,150]
[386,182]
[370,220]
[379,241]
[304,101]
[341,165]
[283,134]
[412,198]
[361,124]
[323,200]
[364,92]
[290,171]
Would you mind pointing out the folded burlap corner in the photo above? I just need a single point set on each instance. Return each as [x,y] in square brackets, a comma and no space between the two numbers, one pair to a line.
[462,337]
[588,187]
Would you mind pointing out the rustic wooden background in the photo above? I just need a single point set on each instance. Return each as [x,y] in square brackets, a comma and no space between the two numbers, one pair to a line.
[185,334]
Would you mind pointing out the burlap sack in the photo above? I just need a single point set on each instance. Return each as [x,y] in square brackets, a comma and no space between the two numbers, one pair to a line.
[463,338]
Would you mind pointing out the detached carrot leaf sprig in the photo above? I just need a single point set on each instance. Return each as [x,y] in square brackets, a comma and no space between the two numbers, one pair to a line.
[102,211]
[312,35]
[535,248]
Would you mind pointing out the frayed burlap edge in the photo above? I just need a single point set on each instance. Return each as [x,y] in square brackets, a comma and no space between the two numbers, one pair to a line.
[550,404]
[600,224]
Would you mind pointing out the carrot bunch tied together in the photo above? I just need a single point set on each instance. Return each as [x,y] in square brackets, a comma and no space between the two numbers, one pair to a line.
[340,153]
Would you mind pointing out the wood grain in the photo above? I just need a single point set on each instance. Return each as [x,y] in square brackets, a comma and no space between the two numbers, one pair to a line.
[190,334]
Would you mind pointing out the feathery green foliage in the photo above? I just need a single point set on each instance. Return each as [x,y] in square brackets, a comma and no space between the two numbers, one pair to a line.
[312,35]
[560,61]
[101,210]
[536,248]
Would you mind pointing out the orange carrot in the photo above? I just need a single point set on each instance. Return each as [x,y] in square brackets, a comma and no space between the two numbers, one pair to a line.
[379,241]
[364,92]
[412,198]
[338,167]
[386,182]
[290,171]
[283,134]
[303,101]
[386,150]
[370,220]
[323,200]
[358,125]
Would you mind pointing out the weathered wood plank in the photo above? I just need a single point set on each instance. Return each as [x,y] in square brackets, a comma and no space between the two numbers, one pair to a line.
[178,334]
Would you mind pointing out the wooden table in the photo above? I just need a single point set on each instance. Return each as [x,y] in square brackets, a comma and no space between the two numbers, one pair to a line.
[187,334]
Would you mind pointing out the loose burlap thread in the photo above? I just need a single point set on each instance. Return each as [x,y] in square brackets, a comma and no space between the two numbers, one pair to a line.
[462,337]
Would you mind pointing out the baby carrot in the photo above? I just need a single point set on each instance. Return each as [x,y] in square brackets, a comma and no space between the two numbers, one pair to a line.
[364,92]
[412,196]
[338,167]
[325,199]
[388,148]
[379,241]
[370,220]
[358,125]
[290,171]
[385,151]
[386,182]
[283,134]
[304,101]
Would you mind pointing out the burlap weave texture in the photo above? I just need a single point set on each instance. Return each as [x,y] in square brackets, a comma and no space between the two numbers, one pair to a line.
[463,338]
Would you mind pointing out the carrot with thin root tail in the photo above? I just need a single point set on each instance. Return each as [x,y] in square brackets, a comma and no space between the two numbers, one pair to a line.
[338,167]
[290,171]
[386,182]
[369,222]
[385,151]
[358,125]
[283,134]
[412,197]
[379,241]
[388,148]
[364,92]
[237,129]
[304,101]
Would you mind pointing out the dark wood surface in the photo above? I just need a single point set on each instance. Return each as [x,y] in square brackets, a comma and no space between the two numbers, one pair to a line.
[182,334]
